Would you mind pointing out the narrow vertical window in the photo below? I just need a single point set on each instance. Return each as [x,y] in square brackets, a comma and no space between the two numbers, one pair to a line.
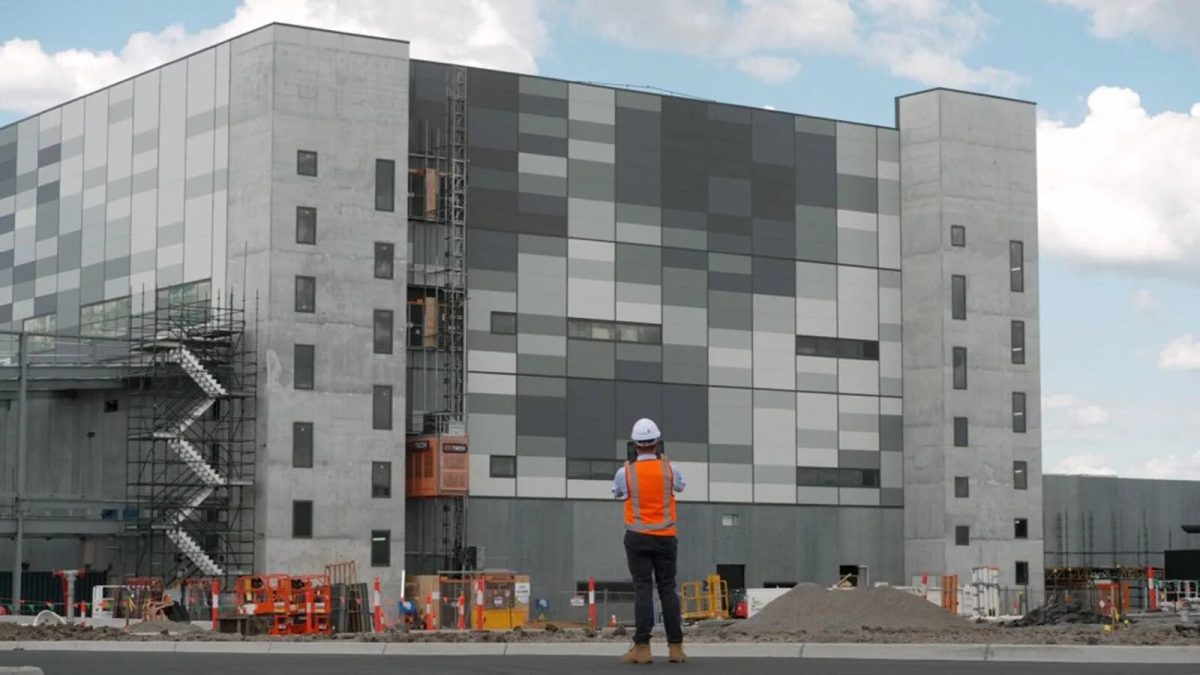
[383,331]
[960,367]
[1022,569]
[1021,528]
[302,519]
[306,294]
[302,445]
[385,255]
[385,185]
[1018,342]
[958,235]
[306,225]
[381,479]
[306,162]
[961,439]
[1018,412]
[381,548]
[1020,475]
[958,297]
[1016,266]
[381,413]
[962,487]
[962,535]
[303,367]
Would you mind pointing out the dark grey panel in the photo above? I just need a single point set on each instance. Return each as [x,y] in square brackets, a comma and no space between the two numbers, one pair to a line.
[6,259]
[145,141]
[542,105]
[816,234]
[772,138]
[27,181]
[117,268]
[7,223]
[488,249]
[24,272]
[91,284]
[685,413]
[816,170]
[635,400]
[775,276]
[891,497]
[891,433]
[5,315]
[720,112]
[46,266]
[23,291]
[542,214]
[491,89]
[858,459]
[540,145]
[50,155]
[637,185]
[591,131]
[8,186]
[496,209]
[200,123]
[8,153]
[730,454]
[728,196]
[590,409]
[541,416]
[645,371]
[775,237]
[47,220]
[684,258]
[69,248]
[733,283]
[47,304]
[857,193]
[539,324]
[495,129]
[773,192]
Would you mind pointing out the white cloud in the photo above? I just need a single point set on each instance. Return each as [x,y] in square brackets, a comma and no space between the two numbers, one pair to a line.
[1120,187]
[1169,22]
[506,34]
[1145,304]
[1074,410]
[769,69]
[1086,464]
[1182,353]
[1171,467]
[926,40]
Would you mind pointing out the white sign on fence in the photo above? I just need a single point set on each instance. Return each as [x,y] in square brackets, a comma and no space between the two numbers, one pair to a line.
[578,601]
[522,591]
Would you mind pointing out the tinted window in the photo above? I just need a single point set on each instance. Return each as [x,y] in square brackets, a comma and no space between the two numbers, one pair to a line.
[504,323]
[958,296]
[1016,266]
[502,466]
[381,479]
[962,487]
[381,548]
[306,294]
[1022,573]
[960,367]
[304,357]
[306,162]
[1021,528]
[1020,476]
[381,414]
[306,225]
[960,432]
[1018,412]
[385,185]
[385,256]
[844,348]
[1018,342]
[816,476]
[384,336]
[302,522]
[962,535]
[958,235]
[302,445]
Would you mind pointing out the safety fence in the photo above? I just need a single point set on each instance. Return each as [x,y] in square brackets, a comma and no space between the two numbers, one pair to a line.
[45,590]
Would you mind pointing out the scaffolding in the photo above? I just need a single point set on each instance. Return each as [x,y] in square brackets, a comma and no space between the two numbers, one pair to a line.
[190,454]
[436,335]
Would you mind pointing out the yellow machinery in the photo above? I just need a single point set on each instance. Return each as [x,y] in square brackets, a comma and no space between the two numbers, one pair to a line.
[705,600]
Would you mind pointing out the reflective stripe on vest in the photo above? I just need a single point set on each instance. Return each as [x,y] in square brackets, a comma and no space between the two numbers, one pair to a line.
[634,521]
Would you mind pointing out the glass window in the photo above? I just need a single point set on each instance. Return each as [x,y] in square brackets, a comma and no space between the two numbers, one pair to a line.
[960,367]
[381,479]
[962,487]
[806,345]
[958,235]
[384,336]
[385,257]
[627,332]
[1021,528]
[816,476]
[302,445]
[1018,342]
[502,466]
[306,162]
[602,330]
[381,548]
[958,297]
[105,319]
[302,519]
[578,328]
[1022,569]
[844,348]
[42,329]
[650,334]
[504,323]
[381,414]
[960,432]
[306,225]
[385,185]
[306,294]
[302,365]
[730,519]
[962,535]
[1016,266]
[579,469]
[603,469]
[1018,412]
[1020,476]
[858,477]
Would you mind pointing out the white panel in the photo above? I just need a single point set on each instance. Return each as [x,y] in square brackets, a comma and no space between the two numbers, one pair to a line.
[95,156]
[589,489]
[494,362]
[696,475]
[171,135]
[858,303]
[481,383]
[817,495]
[858,376]
[220,233]
[481,482]
[889,242]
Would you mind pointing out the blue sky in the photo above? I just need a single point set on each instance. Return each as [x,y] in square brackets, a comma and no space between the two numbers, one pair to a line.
[1117,86]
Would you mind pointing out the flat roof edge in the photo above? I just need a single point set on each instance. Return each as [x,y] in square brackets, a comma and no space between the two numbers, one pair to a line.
[969,93]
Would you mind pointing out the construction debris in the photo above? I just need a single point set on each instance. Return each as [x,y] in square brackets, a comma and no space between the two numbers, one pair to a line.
[1056,613]
[809,608]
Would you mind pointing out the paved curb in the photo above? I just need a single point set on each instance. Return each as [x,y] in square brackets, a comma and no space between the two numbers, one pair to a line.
[846,651]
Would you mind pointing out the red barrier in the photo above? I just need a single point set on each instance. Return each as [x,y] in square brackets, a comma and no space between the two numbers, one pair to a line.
[377,600]
[479,604]
[428,612]
[461,613]
[216,593]
[591,602]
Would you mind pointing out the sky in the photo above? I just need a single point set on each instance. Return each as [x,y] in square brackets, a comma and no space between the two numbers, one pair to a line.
[1117,83]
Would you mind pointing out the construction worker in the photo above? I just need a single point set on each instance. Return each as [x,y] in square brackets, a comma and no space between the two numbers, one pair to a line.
[648,484]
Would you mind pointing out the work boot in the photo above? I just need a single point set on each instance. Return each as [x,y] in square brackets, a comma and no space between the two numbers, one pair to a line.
[676,654]
[637,654]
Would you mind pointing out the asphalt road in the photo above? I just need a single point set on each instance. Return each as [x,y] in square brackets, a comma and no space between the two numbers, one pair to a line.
[94,663]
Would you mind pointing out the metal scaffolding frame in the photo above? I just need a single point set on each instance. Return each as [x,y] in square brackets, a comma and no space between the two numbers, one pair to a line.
[190,454]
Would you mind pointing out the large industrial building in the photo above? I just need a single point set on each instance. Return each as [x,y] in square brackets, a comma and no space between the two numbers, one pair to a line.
[235,321]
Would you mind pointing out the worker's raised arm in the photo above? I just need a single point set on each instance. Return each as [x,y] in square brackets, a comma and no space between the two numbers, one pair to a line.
[678,482]
[618,486]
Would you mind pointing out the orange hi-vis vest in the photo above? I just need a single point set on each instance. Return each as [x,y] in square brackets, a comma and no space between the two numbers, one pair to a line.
[650,497]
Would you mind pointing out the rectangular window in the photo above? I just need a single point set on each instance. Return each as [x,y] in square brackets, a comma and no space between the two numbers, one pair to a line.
[730,519]
[962,487]
[306,225]
[306,163]
[384,320]
[960,367]
[962,535]
[958,297]
[504,323]
[958,235]
[579,469]
[302,519]
[839,348]
[1018,411]
[1021,528]
[302,445]
[385,185]
[1016,266]
[381,413]
[381,479]
[306,294]
[304,358]
[854,478]
[502,466]
[1018,342]
[961,439]
[381,548]
[1020,476]
[816,477]
[105,319]
[608,331]
[1022,569]
[43,328]
[385,256]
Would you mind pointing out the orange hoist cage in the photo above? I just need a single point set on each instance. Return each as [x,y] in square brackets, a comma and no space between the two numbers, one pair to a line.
[436,466]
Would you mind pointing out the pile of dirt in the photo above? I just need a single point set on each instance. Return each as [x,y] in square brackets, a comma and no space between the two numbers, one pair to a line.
[809,608]
[163,628]
[10,632]
[1059,613]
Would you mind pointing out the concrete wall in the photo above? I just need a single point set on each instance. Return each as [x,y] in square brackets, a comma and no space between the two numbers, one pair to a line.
[563,542]
[345,98]
[968,160]
[1101,520]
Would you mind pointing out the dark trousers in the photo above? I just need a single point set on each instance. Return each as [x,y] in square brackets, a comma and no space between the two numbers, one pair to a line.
[652,563]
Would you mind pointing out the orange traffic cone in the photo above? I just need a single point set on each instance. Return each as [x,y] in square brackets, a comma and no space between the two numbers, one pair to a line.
[612,622]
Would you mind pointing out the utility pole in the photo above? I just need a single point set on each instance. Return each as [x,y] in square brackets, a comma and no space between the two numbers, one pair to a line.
[19,488]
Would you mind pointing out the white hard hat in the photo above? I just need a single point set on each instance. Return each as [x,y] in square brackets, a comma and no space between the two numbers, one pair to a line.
[645,430]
